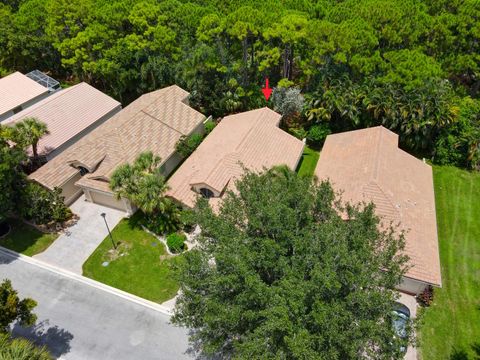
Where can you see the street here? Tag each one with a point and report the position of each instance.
(79, 321)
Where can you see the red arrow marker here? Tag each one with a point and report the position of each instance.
(266, 90)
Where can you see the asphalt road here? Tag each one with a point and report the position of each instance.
(78, 321)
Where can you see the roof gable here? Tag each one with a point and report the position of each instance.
(367, 166)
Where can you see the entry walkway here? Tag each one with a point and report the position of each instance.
(73, 248)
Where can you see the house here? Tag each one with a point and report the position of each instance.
(250, 139)
(154, 122)
(367, 166)
(70, 114)
(18, 92)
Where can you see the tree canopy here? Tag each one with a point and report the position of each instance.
(280, 273)
(424, 56)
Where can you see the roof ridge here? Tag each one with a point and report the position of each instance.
(161, 122)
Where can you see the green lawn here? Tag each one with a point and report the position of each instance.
(451, 326)
(308, 162)
(141, 271)
(26, 239)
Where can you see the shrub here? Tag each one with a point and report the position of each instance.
(425, 298)
(43, 206)
(298, 132)
(187, 144)
(318, 133)
(176, 242)
(187, 220)
(21, 349)
(209, 126)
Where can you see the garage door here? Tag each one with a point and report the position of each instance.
(107, 200)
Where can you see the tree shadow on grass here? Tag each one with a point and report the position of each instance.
(56, 340)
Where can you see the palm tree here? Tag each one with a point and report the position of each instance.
(28, 132)
(141, 183)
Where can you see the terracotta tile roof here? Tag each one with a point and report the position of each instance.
(67, 113)
(154, 122)
(16, 89)
(367, 165)
(252, 139)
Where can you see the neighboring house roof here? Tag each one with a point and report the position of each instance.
(17, 89)
(67, 113)
(154, 122)
(367, 166)
(251, 139)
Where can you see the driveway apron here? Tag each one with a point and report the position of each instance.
(73, 248)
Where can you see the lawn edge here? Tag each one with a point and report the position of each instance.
(87, 281)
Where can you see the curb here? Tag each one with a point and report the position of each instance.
(87, 281)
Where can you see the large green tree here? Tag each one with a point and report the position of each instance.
(286, 270)
(12, 177)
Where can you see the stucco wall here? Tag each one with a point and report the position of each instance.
(412, 286)
(70, 191)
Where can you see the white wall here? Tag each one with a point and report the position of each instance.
(412, 286)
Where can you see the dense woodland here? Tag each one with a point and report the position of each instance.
(412, 66)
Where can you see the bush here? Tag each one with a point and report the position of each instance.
(187, 220)
(176, 242)
(318, 133)
(298, 132)
(425, 298)
(43, 206)
(21, 349)
(209, 126)
(187, 144)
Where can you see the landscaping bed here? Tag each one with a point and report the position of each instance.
(26, 239)
(140, 265)
(450, 327)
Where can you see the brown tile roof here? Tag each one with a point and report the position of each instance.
(67, 113)
(16, 89)
(251, 138)
(367, 165)
(154, 122)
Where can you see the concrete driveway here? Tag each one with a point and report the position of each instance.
(78, 321)
(74, 247)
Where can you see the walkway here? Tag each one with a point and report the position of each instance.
(74, 247)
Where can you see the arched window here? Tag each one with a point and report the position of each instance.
(206, 193)
(83, 171)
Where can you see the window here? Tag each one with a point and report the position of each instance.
(206, 193)
(83, 171)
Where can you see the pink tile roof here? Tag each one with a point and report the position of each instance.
(67, 113)
(16, 89)
(154, 122)
(367, 165)
(251, 138)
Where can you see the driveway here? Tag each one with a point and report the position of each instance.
(73, 248)
(78, 321)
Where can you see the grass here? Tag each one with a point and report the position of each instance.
(144, 270)
(450, 328)
(25, 239)
(308, 162)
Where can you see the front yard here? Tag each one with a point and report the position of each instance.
(451, 326)
(25, 239)
(141, 266)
